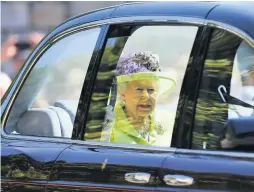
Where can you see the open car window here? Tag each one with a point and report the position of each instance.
(137, 89)
(224, 115)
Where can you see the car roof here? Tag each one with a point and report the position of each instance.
(237, 14)
(191, 9)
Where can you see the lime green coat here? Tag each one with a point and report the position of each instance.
(124, 132)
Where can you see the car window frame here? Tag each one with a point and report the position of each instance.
(211, 24)
(146, 20)
(27, 68)
(194, 46)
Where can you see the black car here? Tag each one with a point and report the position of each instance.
(60, 104)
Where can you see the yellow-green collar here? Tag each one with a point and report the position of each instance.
(122, 123)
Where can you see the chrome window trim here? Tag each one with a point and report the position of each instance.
(92, 143)
(121, 20)
(143, 19)
(238, 32)
(175, 20)
(215, 153)
(137, 19)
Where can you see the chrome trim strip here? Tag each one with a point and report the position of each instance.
(126, 146)
(93, 143)
(100, 9)
(215, 153)
(231, 29)
(100, 187)
(156, 19)
(137, 19)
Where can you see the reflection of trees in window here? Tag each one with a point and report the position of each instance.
(211, 111)
(102, 87)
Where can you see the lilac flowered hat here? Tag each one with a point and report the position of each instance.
(139, 62)
(144, 66)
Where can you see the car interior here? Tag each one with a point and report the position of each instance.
(55, 119)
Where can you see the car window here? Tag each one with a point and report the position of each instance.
(224, 109)
(136, 92)
(47, 102)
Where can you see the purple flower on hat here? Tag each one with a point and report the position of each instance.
(139, 62)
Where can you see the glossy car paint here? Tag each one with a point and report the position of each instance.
(87, 168)
(210, 172)
(72, 169)
(237, 14)
(26, 165)
(184, 9)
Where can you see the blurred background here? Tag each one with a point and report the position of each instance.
(24, 24)
(27, 16)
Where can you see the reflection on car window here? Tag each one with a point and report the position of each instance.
(47, 103)
(226, 91)
(138, 84)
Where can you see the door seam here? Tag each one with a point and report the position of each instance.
(45, 189)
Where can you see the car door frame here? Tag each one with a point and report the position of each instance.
(205, 39)
(241, 178)
(183, 134)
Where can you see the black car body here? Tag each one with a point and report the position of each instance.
(33, 162)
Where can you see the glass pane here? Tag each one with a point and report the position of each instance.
(226, 92)
(47, 102)
(242, 81)
(138, 85)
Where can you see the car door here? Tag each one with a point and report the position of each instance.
(207, 158)
(26, 165)
(96, 164)
(198, 170)
(39, 111)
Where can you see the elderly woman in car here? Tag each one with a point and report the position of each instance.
(139, 84)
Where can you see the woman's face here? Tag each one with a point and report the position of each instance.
(140, 97)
